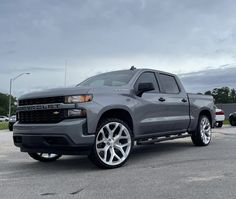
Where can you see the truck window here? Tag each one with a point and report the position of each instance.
(117, 78)
(147, 77)
(169, 84)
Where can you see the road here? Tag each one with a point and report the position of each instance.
(173, 169)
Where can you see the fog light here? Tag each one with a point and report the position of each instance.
(76, 113)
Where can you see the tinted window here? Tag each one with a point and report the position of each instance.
(147, 77)
(117, 78)
(169, 84)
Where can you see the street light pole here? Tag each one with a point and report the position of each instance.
(9, 114)
(11, 81)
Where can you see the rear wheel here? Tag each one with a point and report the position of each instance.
(44, 157)
(203, 133)
(113, 144)
(232, 121)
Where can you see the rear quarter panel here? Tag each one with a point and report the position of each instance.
(199, 103)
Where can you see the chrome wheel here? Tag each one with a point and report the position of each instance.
(47, 155)
(44, 157)
(205, 130)
(113, 143)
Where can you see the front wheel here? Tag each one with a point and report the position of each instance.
(203, 133)
(113, 144)
(44, 157)
(232, 121)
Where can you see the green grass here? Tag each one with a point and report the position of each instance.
(226, 122)
(3, 125)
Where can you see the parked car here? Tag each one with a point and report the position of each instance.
(12, 121)
(232, 119)
(220, 117)
(3, 118)
(105, 114)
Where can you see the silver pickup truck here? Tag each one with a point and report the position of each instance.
(105, 115)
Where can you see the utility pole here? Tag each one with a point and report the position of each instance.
(9, 108)
(11, 81)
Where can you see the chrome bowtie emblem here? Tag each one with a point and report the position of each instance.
(55, 113)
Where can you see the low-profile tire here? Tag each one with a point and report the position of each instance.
(219, 124)
(203, 132)
(113, 144)
(232, 121)
(44, 157)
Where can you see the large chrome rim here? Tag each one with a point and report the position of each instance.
(113, 143)
(47, 155)
(205, 129)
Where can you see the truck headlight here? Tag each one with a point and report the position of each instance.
(76, 113)
(78, 99)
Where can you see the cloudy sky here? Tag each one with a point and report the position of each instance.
(193, 38)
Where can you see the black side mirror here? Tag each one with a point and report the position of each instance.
(144, 87)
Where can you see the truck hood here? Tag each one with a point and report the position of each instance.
(56, 92)
(74, 91)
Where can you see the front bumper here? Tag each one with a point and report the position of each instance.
(67, 137)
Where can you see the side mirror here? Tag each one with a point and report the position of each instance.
(144, 87)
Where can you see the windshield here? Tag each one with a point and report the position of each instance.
(117, 78)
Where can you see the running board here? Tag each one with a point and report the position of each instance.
(161, 139)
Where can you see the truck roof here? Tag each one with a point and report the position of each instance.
(143, 70)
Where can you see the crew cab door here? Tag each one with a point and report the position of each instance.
(151, 113)
(175, 101)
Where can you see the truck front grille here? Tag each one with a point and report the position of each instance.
(41, 116)
(47, 100)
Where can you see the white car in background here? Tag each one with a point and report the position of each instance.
(220, 117)
(3, 118)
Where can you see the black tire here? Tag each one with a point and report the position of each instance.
(40, 158)
(197, 137)
(232, 121)
(10, 127)
(94, 156)
(219, 124)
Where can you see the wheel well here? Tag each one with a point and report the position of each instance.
(119, 114)
(206, 113)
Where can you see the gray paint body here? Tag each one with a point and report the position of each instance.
(150, 116)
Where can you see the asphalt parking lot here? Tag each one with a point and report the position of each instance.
(173, 169)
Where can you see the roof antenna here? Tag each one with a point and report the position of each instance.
(132, 68)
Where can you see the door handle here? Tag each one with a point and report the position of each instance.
(184, 100)
(161, 99)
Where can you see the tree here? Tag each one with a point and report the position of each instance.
(208, 93)
(223, 95)
(233, 95)
(4, 100)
